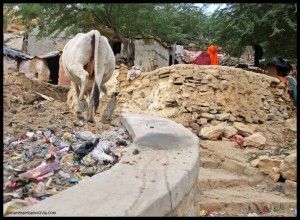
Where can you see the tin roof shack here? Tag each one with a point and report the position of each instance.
(248, 55)
(47, 44)
(150, 53)
(44, 67)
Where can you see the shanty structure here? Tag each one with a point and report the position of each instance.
(148, 53)
(44, 67)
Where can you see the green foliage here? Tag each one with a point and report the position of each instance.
(273, 26)
(233, 27)
(181, 23)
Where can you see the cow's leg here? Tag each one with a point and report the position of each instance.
(77, 110)
(79, 71)
(90, 115)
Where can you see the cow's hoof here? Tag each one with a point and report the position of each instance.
(79, 115)
(91, 120)
(82, 105)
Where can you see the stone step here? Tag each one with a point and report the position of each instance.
(219, 178)
(209, 163)
(243, 200)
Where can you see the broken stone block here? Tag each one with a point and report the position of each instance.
(254, 163)
(255, 140)
(243, 129)
(230, 131)
(212, 132)
(291, 124)
(223, 116)
(207, 115)
(29, 98)
(202, 121)
(274, 174)
(215, 122)
(288, 168)
(290, 188)
(213, 111)
(266, 164)
(195, 126)
(270, 117)
(232, 118)
(204, 104)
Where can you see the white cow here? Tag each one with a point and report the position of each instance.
(89, 62)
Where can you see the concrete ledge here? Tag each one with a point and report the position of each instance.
(151, 183)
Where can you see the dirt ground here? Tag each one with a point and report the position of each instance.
(41, 130)
(20, 117)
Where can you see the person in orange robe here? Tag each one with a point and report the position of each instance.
(213, 53)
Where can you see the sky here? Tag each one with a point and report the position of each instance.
(211, 7)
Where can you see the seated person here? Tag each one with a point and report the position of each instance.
(280, 69)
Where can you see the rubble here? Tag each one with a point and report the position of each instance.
(288, 167)
(266, 164)
(243, 129)
(212, 132)
(255, 140)
(54, 166)
(230, 131)
(290, 188)
(291, 124)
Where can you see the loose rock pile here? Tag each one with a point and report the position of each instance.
(221, 103)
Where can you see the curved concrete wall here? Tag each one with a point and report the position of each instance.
(151, 183)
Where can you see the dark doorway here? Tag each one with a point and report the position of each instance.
(116, 47)
(170, 60)
(53, 64)
(258, 54)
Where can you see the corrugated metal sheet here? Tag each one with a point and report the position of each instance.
(16, 54)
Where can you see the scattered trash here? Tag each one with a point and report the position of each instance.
(31, 200)
(68, 158)
(68, 137)
(121, 142)
(88, 160)
(84, 149)
(49, 182)
(40, 164)
(72, 180)
(44, 168)
(48, 133)
(39, 189)
(85, 136)
(89, 171)
(102, 156)
(238, 139)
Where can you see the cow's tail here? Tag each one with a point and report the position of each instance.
(96, 93)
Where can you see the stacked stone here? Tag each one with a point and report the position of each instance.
(206, 94)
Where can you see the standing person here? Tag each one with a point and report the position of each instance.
(258, 54)
(281, 68)
(213, 53)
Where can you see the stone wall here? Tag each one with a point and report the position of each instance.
(150, 54)
(199, 95)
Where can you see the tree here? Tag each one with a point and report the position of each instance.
(180, 23)
(273, 26)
